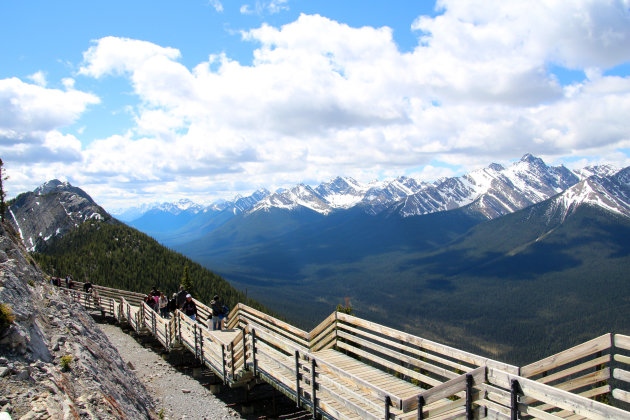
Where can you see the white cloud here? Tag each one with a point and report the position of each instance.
(264, 7)
(39, 78)
(30, 124)
(217, 5)
(322, 99)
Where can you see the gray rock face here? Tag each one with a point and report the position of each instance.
(47, 326)
(51, 210)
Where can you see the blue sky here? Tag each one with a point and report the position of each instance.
(155, 101)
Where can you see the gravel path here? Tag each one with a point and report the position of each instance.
(179, 395)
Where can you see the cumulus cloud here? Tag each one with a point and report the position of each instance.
(31, 119)
(321, 99)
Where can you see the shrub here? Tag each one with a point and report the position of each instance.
(6, 316)
(65, 362)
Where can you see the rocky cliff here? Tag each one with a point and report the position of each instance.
(52, 209)
(54, 360)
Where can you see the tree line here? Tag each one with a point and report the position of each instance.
(115, 255)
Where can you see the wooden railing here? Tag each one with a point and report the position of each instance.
(348, 367)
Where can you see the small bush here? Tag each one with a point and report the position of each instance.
(6, 316)
(65, 362)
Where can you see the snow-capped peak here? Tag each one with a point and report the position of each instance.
(609, 193)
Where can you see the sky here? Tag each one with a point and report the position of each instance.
(151, 101)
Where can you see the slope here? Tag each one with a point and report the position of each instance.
(515, 288)
(287, 258)
(121, 257)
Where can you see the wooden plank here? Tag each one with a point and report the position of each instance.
(587, 394)
(622, 341)
(276, 333)
(358, 382)
(622, 359)
(336, 388)
(578, 368)
(276, 322)
(446, 374)
(450, 388)
(285, 345)
(325, 342)
(405, 347)
(557, 397)
(424, 343)
(622, 395)
(326, 324)
(575, 353)
(411, 373)
(536, 412)
(622, 375)
(585, 380)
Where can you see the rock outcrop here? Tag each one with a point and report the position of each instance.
(54, 360)
(51, 210)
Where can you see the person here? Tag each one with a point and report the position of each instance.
(172, 304)
(69, 281)
(163, 304)
(87, 286)
(218, 312)
(189, 308)
(148, 299)
(181, 296)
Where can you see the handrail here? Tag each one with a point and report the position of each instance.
(266, 345)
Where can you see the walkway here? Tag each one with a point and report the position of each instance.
(350, 368)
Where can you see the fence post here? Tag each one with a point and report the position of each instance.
(255, 363)
(514, 388)
(201, 345)
(314, 383)
(245, 368)
(469, 381)
(179, 327)
(223, 360)
(195, 330)
(297, 377)
(232, 357)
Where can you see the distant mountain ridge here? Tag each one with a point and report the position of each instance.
(491, 192)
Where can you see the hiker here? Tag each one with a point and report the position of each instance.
(163, 304)
(181, 297)
(172, 304)
(218, 312)
(87, 286)
(189, 308)
(150, 302)
(69, 281)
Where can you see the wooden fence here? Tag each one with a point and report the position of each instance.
(350, 368)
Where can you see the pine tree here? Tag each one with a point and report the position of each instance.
(186, 282)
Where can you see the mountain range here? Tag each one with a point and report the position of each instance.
(495, 191)
(509, 262)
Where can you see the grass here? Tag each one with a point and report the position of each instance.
(6, 316)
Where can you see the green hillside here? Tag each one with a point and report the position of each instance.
(516, 288)
(115, 255)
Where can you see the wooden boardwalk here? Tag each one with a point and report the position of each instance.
(350, 368)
